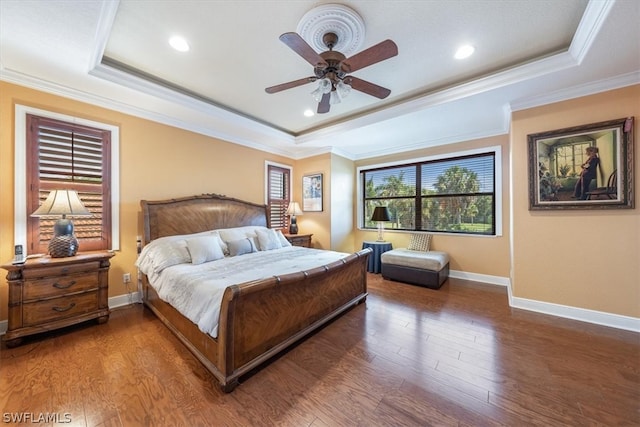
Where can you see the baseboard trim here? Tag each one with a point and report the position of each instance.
(114, 302)
(582, 314)
(483, 278)
(125, 299)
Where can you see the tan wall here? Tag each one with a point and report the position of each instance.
(588, 259)
(316, 223)
(471, 254)
(550, 261)
(156, 162)
(342, 204)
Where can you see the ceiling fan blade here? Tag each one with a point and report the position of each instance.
(380, 52)
(289, 85)
(302, 48)
(369, 88)
(323, 105)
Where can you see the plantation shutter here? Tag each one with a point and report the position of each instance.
(62, 155)
(279, 195)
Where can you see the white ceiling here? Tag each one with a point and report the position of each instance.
(528, 53)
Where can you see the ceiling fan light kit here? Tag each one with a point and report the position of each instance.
(324, 87)
(336, 27)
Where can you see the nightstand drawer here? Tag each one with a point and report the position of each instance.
(47, 293)
(58, 286)
(58, 308)
(299, 239)
(59, 270)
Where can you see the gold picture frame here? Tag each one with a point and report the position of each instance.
(582, 167)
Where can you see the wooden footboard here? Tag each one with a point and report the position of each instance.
(261, 318)
(257, 319)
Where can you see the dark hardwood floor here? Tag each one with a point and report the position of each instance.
(410, 356)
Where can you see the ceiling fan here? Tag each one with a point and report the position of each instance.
(332, 69)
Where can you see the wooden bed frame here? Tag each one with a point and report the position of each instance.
(258, 319)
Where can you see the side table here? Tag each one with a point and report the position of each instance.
(49, 293)
(303, 240)
(374, 265)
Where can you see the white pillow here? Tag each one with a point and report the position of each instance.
(223, 244)
(242, 246)
(268, 240)
(232, 234)
(283, 240)
(205, 249)
(165, 253)
(237, 233)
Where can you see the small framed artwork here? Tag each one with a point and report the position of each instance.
(312, 193)
(582, 167)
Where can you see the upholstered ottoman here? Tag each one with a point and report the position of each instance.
(423, 268)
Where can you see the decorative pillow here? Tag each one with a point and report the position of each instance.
(420, 242)
(242, 246)
(268, 239)
(205, 249)
(223, 245)
(283, 240)
(232, 234)
(167, 253)
(237, 233)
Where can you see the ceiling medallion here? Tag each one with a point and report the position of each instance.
(332, 18)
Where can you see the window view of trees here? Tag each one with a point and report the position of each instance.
(451, 195)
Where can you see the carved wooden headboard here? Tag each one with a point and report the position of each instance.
(194, 214)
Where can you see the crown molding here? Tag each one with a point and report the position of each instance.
(106, 20)
(498, 80)
(245, 135)
(470, 136)
(592, 21)
(577, 91)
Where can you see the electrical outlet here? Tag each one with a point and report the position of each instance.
(126, 278)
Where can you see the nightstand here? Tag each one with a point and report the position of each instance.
(299, 239)
(49, 293)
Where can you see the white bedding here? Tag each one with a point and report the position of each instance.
(196, 290)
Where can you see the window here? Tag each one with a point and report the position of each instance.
(450, 195)
(62, 155)
(59, 151)
(278, 194)
(568, 158)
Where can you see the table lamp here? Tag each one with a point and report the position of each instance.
(293, 210)
(62, 202)
(380, 214)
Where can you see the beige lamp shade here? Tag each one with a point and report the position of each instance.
(292, 211)
(63, 203)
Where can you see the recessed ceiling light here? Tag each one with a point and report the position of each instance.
(308, 113)
(179, 44)
(464, 51)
